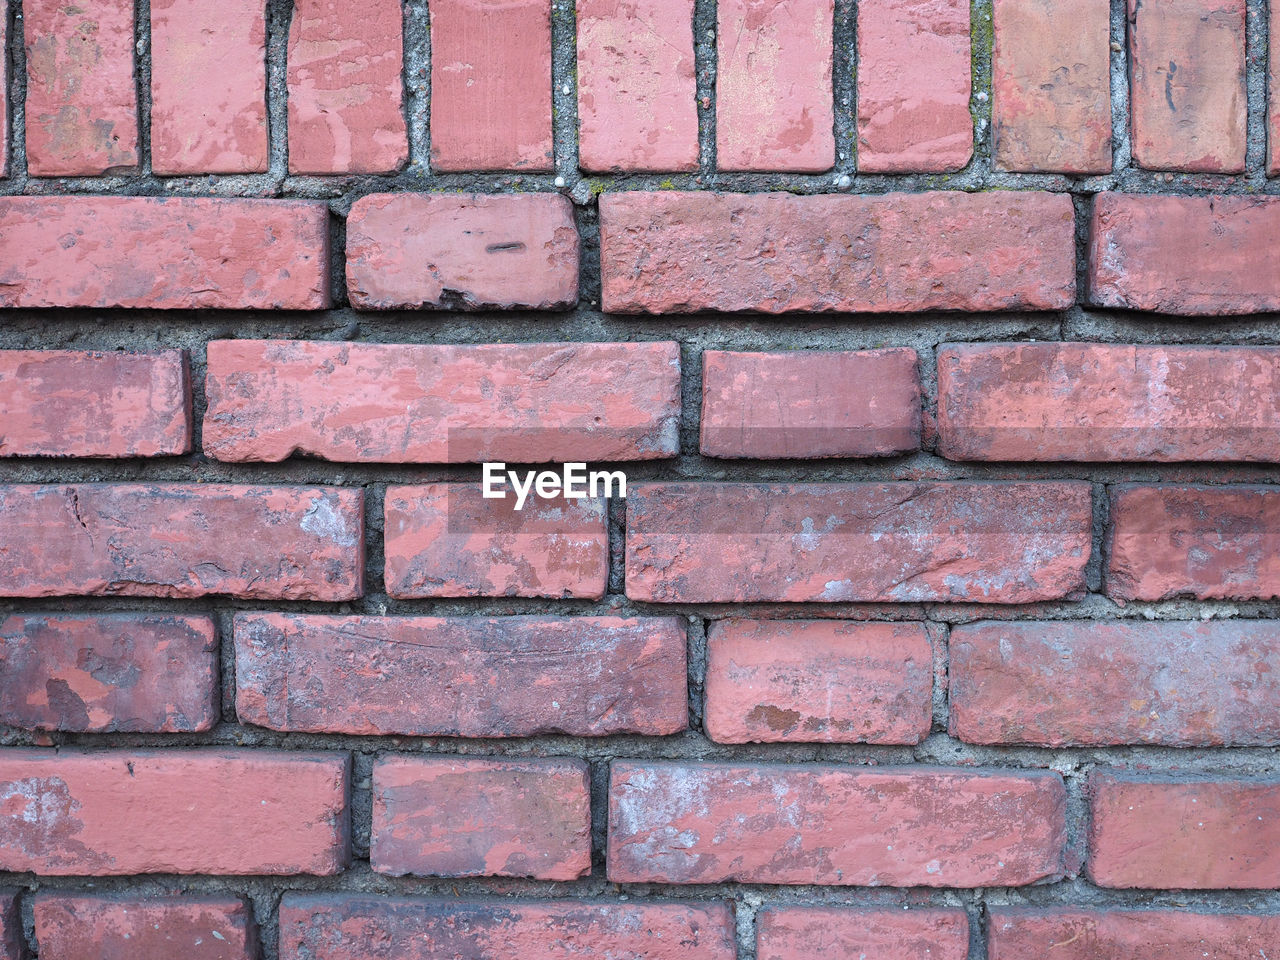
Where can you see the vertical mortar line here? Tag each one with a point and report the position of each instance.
(1095, 571)
(142, 81)
(1082, 209)
(979, 918)
(981, 40)
(417, 84)
(17, 93)
(844, 87)
(1256, 90)
(564, 88)
(745, 916)
(279, 17)
(705, 62)
(1121, 144)
(696, 628)
(939, 634)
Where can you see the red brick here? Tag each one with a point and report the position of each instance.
(802, 824)
(461, 817)
(82, 107)
(850, 403)
(345, 93)
(637, 108)
(1051, 86)
(1085, 683)
(208, 87)
(491, 85)
(914, 80)
(1187, 88)
(857, 542)
(88, 927)
(461, 676)
(894, 253)
(1185, 834)
(1106, 403)
(164, 254)
(462, 251)
(11, 942)
(217, 811)
(818, 681)
(100, 673)
(181, 540)
(73, 403)
(520, 403)
(825, 933)
(1204, 542)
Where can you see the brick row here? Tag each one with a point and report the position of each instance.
(1084, 933)
(71, 926)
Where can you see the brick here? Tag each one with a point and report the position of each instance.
(75, 403)
(181, 540)
(1192, 256)
(102, 673)
(1086, 683)
(818, 681)
(803, 404)
(462, 676)
(914, 79)
(894, 253)
(1051, 86)
(356, 927)
(1107, 403)
(1186, 85)
(216, 811)
(1184, 834)
(1205, 542)
(821, 933)
(491, 85)
(446, 540)
(82, 107)
(208, 87)
(345, 92)
(857, 542)
(518, 403)
(677, 822)
(466, 251)
(164, 254)
(87, 927)
(516, 818)
(11, 940)
(773, 86)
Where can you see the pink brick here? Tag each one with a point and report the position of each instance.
(825, 933)
(81, 927)
(913, 86)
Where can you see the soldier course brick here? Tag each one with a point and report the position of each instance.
(818, 933)
(80, 926)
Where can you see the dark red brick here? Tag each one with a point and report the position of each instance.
(89, 927)
(827, 933)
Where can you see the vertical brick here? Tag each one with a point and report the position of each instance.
(914, 79)
(82, 107)
(773, 86)
(88, 927)
(829, 933)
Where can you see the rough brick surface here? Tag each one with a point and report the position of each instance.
(775, 253)
(460, 817)
(873, 542)
(913, 86)
(824, 933)
(854, 403)
(802, 824)
(461, 676)
(100, 673)
(80, 927)
(72, 403)
(216, 811)
(823, 681)
(186, 253)
(181, 540)
(10, 917)
(517, 403)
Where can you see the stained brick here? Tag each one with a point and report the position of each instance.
(81, 927)
(824, 933)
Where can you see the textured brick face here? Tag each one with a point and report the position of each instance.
(817, 933)
(70, 927)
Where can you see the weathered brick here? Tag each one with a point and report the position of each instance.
(1187, 87)
(818, 681)
(345, 92)
(1108, 403)
(462, 250)
(491, 85)
(773, 85)
(81, 107)
(181, 540)
(1088, 683)
(777, 252)
(462, 676)
(518, 403)
(857, 542)
(11, 945)
(208, 87)
(164, 254)
(825, 933)
(1051, 86)
(90, 927)
(464, 817)
(914, 79)
(676, 822)
(216, 811)
(73, 403)
(1185, 834)
(98, 673)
